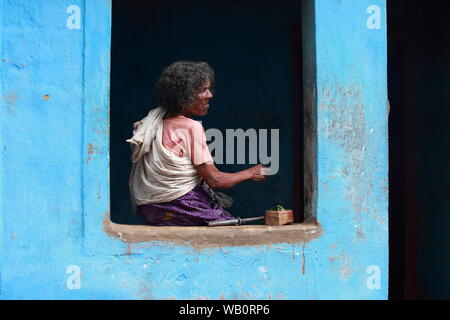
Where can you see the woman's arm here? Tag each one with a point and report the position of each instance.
(221, 180)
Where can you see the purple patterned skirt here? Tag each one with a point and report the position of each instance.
(195, 208)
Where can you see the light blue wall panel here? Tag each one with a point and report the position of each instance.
(55, 155)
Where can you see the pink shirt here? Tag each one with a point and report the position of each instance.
(186, 138)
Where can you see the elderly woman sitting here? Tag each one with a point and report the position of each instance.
(173, 173)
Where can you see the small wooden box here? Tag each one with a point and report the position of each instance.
(278, 218)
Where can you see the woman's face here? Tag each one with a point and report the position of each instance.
(200, 105)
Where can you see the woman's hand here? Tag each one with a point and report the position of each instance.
(221, 180)
(258, 173)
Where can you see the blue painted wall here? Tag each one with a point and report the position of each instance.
(55, 169)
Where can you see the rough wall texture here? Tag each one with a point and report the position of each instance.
(54, 170)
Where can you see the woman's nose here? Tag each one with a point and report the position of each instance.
(209, 94)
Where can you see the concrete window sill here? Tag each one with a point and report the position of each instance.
(210, 237)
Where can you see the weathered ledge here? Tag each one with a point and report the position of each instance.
(212, 237)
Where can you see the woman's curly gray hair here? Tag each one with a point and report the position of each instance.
(179, 83)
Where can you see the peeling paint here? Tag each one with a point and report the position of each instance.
(144, 291)
(360, 233)
(92, 150)
(341, 265)
(11, 102)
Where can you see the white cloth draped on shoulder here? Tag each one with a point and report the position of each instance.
(157, 174)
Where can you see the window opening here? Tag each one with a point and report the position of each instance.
(255, 50)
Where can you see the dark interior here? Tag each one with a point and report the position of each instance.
(419, 94)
